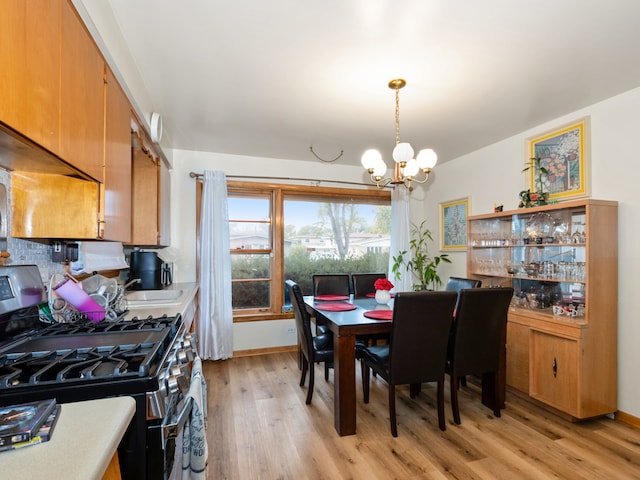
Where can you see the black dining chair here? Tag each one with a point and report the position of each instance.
(455, 284)
(363, 283)
(314, 349)
(330, 284)
(417, 350)
(478, 338)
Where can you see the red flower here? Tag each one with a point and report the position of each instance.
(383, 284)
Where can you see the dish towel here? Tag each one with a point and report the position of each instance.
(194, 440)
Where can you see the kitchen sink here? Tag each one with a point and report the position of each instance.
(147, 297)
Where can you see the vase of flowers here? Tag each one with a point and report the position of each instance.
(383, 290)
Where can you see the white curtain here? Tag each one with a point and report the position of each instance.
(215, 325)
(400, 235)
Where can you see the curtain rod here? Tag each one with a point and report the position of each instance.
(199, 176)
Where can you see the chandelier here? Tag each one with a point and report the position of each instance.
(407, 169)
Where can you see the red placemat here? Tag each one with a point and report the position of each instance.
(373, 295)
(336, 307)
(379, 314)
(324, 298)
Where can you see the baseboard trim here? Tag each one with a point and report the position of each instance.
(628, 419)
(265, 351)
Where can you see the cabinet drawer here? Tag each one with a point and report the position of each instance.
(554, 371)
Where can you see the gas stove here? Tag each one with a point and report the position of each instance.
(148, 359)
(123, 355)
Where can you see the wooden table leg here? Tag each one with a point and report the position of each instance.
(344, 383)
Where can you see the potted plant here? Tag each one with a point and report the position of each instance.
(540, 197)
(422, 265)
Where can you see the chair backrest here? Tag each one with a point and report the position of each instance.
(331, 284)
(363, 283)
(418, 344)
(479, 330)
(303, 319)
(455, 284)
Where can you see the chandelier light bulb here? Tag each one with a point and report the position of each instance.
(379, 169)
(371, 158)
(403, 152)
(427, 158)
(411, 169)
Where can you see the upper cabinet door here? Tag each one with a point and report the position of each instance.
(81, 97)
(30, 66)
(116, 199)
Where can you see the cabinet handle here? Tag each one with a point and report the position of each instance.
(555, 367)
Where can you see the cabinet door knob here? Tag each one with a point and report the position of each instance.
(555, 367)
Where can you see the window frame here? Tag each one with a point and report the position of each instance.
(279, 192)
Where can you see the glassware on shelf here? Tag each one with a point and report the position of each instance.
(540, 228)
(560, 230)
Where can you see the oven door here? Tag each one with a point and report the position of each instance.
(174, 443)
(184, 436)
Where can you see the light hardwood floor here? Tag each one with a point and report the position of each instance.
(260, 428)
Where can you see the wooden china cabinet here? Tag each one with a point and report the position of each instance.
(562, 261)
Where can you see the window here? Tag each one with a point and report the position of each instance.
(279, 232)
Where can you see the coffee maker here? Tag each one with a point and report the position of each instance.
(154, 274)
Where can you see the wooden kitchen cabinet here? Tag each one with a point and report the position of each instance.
(30, 64)
(115, 198)
(564, 256)
(145, 193)
(82, 75)
(555, 371)
(151, 186)
(53, 206)
(518, 355)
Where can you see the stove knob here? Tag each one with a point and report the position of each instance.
(184, 356)
(173, 385)
(178, 380)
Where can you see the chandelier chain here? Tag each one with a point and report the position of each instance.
(397, 115)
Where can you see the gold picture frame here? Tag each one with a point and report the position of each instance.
(453, 224)
(564, 153)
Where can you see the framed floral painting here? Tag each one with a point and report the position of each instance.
(453, 224)
(564, 154)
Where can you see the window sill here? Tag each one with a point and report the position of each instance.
(259, 317)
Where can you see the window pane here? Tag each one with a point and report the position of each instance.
(250, 236)
(324, 236)
(251, 294)
(249, 208)
(250, 266)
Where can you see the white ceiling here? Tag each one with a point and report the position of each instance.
(271, 78)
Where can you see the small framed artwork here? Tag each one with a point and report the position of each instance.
(453, 224)
(564, 154)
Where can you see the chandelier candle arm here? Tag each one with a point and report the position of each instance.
(406, 167)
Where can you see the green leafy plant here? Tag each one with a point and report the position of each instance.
(536, 164)
(422, 265)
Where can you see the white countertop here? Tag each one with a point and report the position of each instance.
(83, 442)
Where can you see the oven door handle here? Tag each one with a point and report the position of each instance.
(171, 430)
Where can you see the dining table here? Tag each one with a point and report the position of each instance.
(346, 323)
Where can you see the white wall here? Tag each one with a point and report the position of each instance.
(490, 175)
